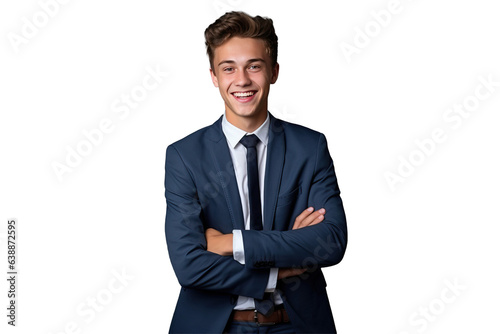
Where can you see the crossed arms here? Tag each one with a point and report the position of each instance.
(222, 244)
(196, 256)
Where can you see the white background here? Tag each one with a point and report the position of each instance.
(107, 215)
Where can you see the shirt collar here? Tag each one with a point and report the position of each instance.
(234, 134)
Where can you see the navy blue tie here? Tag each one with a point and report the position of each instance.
(266, 305)
(250, 142)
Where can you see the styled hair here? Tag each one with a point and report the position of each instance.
(240, 24)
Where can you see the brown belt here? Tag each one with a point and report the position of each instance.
(277, 317)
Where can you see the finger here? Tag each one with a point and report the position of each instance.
(311, 219)
(298, 271)
(318, 220)
(314, 218)
(305, 213)
(288, 272)
(306, 220)
(302, 216)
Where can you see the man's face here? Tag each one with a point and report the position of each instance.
(243, 74)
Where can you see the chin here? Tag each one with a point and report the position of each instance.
(243, 112)
(252, 113)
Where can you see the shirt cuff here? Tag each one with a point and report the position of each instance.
(273, 278)
(238, 247)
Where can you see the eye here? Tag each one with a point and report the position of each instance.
(228, 69)
(254, 67)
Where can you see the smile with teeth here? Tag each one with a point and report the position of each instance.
(243, 94)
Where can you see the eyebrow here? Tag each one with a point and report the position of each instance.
(253, 60)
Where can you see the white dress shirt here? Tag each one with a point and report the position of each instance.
(239, 159)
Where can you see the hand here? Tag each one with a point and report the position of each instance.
(309, 217)
(288, 272)
(219, 243)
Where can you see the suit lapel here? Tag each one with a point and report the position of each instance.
(274, 170)
(225, 173)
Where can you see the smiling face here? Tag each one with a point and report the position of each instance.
(243, 72)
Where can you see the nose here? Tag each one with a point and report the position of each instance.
(242, 78)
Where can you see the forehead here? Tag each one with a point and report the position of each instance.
(240, 49)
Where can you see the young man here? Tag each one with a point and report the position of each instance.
(253, 205)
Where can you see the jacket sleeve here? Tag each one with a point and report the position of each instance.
(320, 245)
(194, 266)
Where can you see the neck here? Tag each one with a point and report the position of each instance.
(247, 124)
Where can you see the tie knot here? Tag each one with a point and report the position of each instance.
(249, 141)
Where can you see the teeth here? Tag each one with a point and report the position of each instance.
(246, 94)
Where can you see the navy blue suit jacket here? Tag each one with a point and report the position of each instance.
(201, 192)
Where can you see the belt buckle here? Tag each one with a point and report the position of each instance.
(256, 319)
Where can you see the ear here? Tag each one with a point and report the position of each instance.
(275, 72)
(214, 78)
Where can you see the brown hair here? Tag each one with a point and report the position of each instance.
(240, 24)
